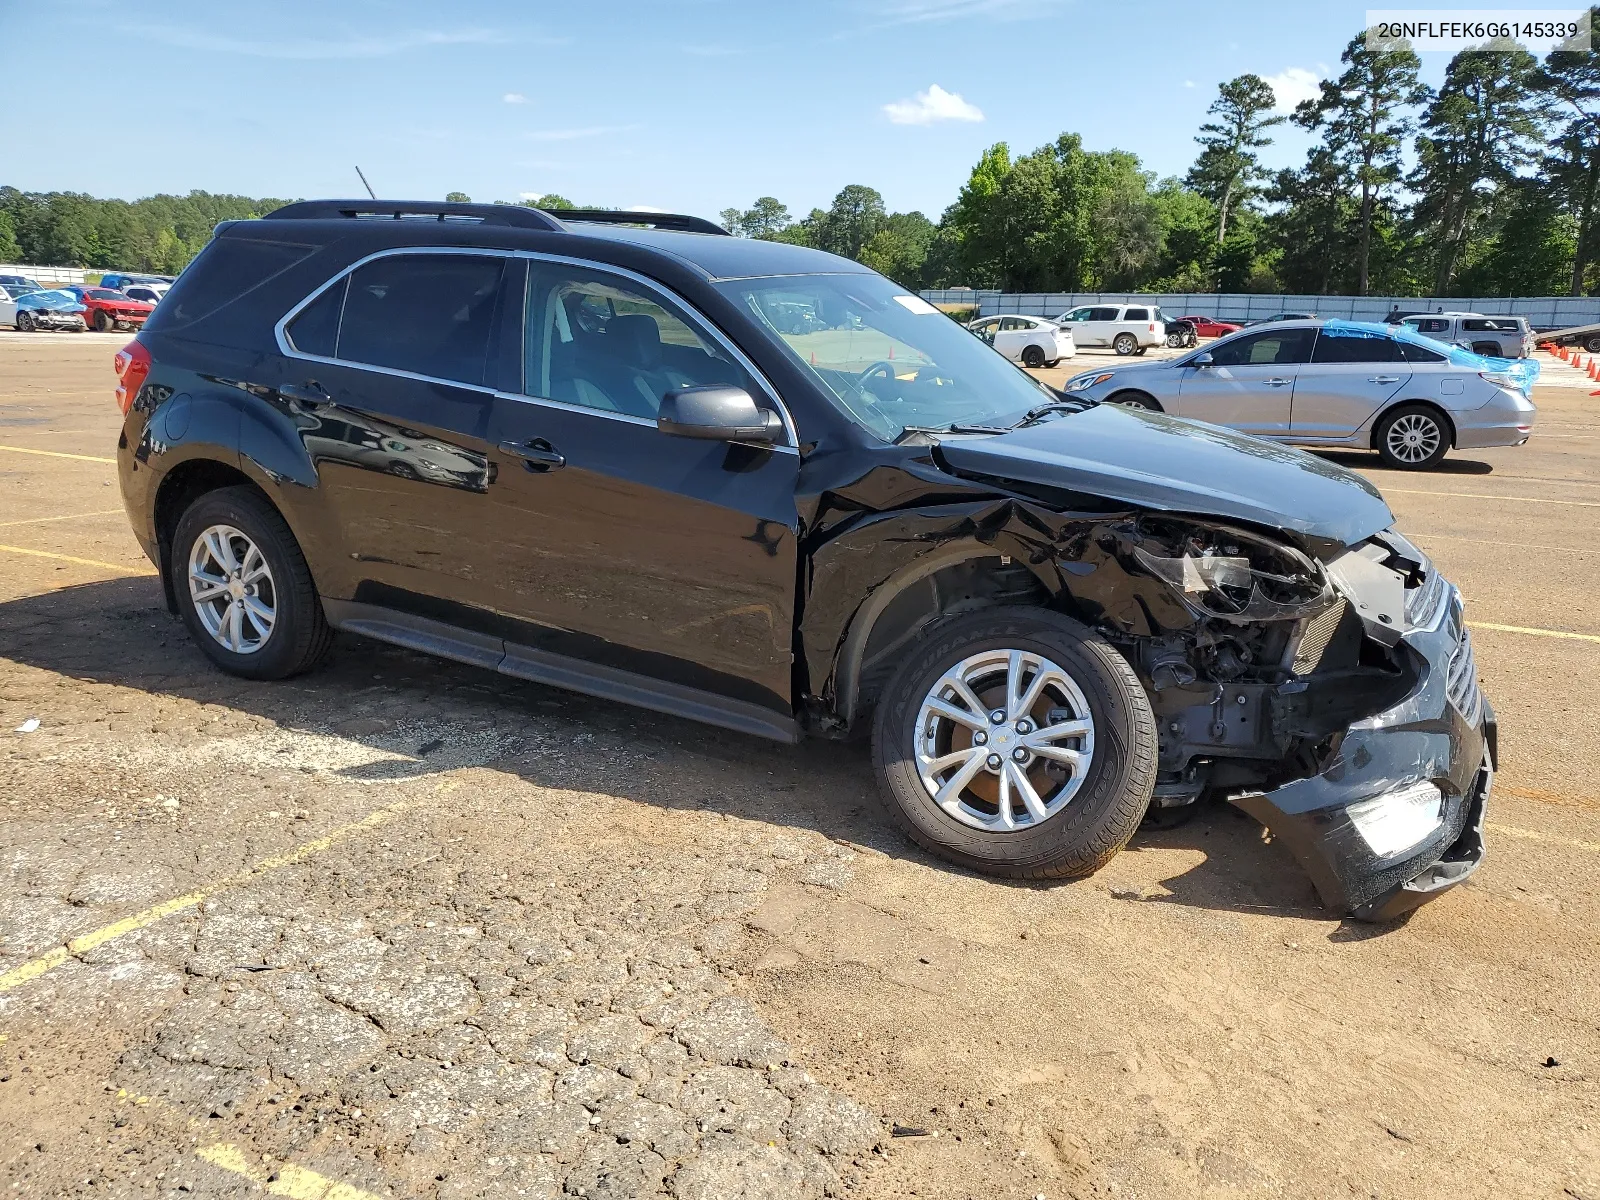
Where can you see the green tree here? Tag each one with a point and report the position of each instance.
(457, 198)
(1311, 229)
(1570, 82)
(900, 249)
(1363, 119)
(857, 213)
(1229, 169)
(10, 248)
(548, 201)
(1477, 134)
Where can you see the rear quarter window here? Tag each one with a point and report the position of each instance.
(225, 270)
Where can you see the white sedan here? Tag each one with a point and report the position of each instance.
(8, 301)
(1032, 341)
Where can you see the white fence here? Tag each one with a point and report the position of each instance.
(1543, 312)
(44, 274)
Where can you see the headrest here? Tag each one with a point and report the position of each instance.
(638, 340)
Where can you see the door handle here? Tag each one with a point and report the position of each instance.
(1383, 379)
(1279, 382)
(309, 392)
(537, 455)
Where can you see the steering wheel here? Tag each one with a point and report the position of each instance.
(882, 367)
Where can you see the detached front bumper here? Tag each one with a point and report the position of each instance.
(1442, 734)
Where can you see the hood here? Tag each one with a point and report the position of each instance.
(1167, 463)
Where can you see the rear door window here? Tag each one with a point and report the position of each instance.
(428, 314)
(1420, 354)
(1102, 314)
(1352, 346)
(1431, 325)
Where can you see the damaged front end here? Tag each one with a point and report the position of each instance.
(1334, 700)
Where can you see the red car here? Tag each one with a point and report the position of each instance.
(110, 309)
(1209, 327)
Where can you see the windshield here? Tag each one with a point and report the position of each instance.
(104, 294)
(890, 359)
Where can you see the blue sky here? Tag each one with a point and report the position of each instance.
(686, 105)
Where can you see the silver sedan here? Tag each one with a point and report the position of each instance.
(1334, 385)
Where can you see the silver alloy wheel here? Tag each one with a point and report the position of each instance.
(1004, 740)
(1414, 437)
(232, 588)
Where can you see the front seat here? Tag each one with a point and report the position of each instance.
(627, 366)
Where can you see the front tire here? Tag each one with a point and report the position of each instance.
(1124, 344)
(103, 323)
(244, 589)
(1412, 437)
(24, 322)
(1075, 748)
(1138, 400)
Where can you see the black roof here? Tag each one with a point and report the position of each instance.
(691, 240)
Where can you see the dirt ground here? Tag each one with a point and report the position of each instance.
(403, 928)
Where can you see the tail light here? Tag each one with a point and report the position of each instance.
(133, 365)
(1152, 328)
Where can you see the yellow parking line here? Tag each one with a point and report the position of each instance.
(1533, 835)
(36, 967)
(102, 512)
(1550, 633)
(1490, 496)
(280, 1178)
(57, 454)
(82, 562)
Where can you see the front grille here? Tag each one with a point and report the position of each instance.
(1461, 678)
(1422, 601)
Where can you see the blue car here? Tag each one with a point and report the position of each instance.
(50, 310)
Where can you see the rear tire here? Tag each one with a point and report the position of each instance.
(1592, 343)
(1412, 437)
(1124, 344)
(299, 634)
(1033, 357)
(1098, 804)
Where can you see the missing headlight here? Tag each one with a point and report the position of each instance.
(1222, 572)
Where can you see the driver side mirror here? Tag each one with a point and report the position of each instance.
(1202, 360)
(718, 413)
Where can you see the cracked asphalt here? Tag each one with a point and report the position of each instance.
(401, 928)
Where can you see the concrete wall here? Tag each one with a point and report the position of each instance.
(45, 274)
(1543, 312)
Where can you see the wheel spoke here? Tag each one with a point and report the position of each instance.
(221, 550)
(260, 616)
(954, 758)
(1024, 788)
(210, 588)
(1059, 754)
(949, 794)
(968, 697)
(1040, 738)
(1013, 683)
(1008, 816)
(1041, 680)
(254, 566)
(971, 720)
(235, 628)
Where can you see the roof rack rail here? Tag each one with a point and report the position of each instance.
(681, 222)
(517, 215)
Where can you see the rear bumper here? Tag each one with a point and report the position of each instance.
(1506, 420)
(1443, 733)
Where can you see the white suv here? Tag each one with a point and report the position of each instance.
(1032, 341)
(1126, 328)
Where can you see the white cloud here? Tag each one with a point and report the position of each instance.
(1188, 83)
(514, 98)
(645, 208)
(311, 49)
(1293, 85)
(572, 135)
(935, 104)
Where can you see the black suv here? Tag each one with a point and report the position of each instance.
(601, 452)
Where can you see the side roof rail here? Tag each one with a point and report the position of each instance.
(681, 222)
(515, 215)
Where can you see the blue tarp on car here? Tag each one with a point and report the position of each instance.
(55, 301)
(1520, 373)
